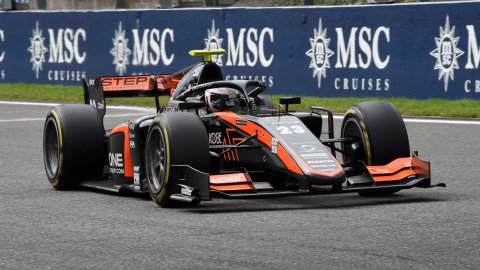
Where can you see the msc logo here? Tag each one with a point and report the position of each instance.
(2, 38)
(446, 53)
(214, 42)
(148, 48)
(63, 48)
(71, 39)
(115, 160)
(2, 54)
(347, 56)
(120, 51)
(37, 49)
(236, 54)
(319, 53)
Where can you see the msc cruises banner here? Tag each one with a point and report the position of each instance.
(414, 50)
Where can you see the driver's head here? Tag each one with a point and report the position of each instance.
(219, 99)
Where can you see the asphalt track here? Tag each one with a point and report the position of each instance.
(41, 228)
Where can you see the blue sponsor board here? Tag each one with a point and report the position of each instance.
(414, 50)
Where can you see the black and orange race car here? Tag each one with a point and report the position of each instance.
(218, 138)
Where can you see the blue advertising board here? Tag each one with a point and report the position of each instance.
(412, 50)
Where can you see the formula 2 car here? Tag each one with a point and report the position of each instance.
(218, 138)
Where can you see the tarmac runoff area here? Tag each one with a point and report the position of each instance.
(42, 228)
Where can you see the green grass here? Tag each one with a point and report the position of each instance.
(464, 108)
(60, 93)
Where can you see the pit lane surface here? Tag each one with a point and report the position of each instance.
(42, 228)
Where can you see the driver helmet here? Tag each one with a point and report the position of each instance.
(219, 99)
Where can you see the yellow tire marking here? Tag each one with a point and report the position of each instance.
(352, 111)
(367, 144)
(60, 160)
(164, 189)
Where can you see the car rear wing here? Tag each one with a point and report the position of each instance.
(96, 88)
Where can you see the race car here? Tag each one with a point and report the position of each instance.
(222, 138)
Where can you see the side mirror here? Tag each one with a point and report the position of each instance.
(290, 100)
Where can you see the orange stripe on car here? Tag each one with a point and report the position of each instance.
(392, 167)
(127, 161)
(398, 169)
(394, 177)
(287, 159)
(291, 164)
(263, 136)
(233, 187)
(310, 169)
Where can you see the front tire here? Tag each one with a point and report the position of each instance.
(175, 138)
(382, 134)
(73, 145)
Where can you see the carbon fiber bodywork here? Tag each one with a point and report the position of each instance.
(258, 150)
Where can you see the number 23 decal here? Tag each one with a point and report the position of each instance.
(288, 130)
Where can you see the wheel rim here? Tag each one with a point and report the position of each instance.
(156, 160)
(51, 150)
(352, 129)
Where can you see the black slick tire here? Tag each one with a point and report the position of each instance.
(173, 138)
(73, 145)
(381, 131)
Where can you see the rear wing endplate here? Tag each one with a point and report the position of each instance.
(96, 88)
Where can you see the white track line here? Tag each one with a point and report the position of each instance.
(22, 120)
(152, 110)
(43, 119)
(432, 121)
(27, 103)
(441, 121)
(133, 108)
(130, 108)
(124, 114)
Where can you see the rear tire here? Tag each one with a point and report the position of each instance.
(73, 145)
(174, 138)
(381, 131)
